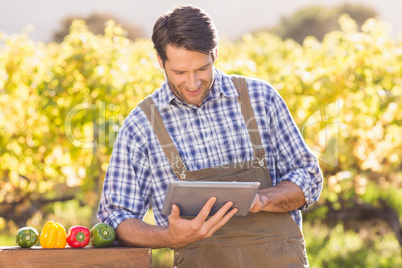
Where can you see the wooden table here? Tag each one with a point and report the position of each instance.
(72, 257)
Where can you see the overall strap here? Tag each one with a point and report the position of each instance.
(176, 163)
(154, 117)
(240, 83)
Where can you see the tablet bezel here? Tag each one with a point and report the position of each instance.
(191, 196)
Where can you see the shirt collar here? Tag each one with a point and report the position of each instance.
(222, 85)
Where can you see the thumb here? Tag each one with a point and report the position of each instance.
(256, 202)
(175, 212)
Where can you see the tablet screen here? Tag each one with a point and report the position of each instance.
(191, 196)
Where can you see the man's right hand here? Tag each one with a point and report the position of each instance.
(182, 231)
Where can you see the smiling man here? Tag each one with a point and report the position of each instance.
(203, 124)
(189, 74)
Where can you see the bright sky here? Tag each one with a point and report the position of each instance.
(232, 17)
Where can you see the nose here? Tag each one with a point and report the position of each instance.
(193, 82)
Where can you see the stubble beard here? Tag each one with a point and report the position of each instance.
(182, 96)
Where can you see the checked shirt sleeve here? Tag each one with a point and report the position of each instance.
(127, 185)
(295, 160)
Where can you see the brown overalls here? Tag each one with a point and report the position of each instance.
(262, 239)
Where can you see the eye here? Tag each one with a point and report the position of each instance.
(204, 68)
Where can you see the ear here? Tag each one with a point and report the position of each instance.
(160, 61)
(216, 54)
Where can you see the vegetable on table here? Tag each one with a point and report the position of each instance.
(27, 237)
(78, 236)
(53, 235)
(102, 235)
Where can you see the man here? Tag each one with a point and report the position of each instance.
(205, 125)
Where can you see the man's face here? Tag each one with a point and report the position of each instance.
(190, 74)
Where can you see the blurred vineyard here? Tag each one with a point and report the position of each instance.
(61, 106)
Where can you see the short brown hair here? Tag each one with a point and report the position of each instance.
(186, 27)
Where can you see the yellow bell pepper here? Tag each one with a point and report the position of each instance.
(53, 235)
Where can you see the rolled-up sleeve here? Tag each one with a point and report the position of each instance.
(127, 186)
(295, 161)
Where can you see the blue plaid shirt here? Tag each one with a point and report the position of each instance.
(214, 134)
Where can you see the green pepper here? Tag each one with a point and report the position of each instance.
(27, 237)
(102, 235)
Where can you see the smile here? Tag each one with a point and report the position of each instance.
(194, 92)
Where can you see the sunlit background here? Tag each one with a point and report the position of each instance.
(233, 18)
(71, 71)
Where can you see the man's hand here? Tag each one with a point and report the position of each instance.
(283, 197)
(257, 204)
(182, 232)
(135, 232)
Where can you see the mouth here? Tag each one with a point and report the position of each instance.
(195, 92)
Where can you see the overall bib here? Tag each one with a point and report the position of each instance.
(263, 239)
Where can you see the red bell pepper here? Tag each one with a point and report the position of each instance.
(78, 236)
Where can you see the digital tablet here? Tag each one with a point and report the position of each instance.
(191, 196)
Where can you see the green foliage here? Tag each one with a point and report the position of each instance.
(344, 93)
(61, 106)
(338, 247)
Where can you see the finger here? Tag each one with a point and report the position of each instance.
(256, 200)
(219, 215)
(206, 209)
(175, 214)
(255, 203)
(222, 211)
(223, 221)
